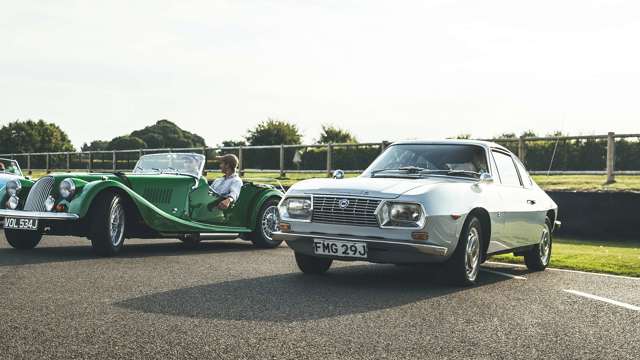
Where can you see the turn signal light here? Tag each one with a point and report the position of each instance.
(420, 235)
(61, 208)
(284, 227)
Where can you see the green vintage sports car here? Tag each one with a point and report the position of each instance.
(165, 196)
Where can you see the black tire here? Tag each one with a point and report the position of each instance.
(191, 240)
(538, 258)
(261, 237)
(22, 240)
(105, 243)
(456, 266)
(312, 265)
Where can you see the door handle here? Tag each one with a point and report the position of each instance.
(531, 202)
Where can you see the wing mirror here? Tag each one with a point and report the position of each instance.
(485, 178)
(338, 174)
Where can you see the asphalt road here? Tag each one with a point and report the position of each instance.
(228, 300)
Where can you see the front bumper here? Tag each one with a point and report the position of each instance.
(37, 215)
(379, 250)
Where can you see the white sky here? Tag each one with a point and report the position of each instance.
(382, 69)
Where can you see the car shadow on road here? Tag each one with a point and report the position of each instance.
(298, 297)
(53, 254)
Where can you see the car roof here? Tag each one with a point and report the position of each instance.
(485, 144)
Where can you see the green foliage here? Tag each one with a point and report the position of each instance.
(233, 143)
(95, 145)
(274, 132)
(465, 136)
(165, 134)
(33, 136)
(529, 133)
(334, 135)
(126, 142)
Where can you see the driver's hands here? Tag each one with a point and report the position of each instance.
(224, 204)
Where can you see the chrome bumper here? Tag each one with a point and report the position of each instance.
(422, 248)
(37, 215)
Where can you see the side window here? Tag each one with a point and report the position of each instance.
(506, 169)
(526, 179)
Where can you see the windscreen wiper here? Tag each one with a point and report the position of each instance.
(452, 172)
(408, 169)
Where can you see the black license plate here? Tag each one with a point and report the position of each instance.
(21, 224)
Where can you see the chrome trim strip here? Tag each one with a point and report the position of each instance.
(423, 248)
(37, 215)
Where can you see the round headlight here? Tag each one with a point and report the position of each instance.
(12, 203)
(49, 203)
(67, 188)
(13, 187)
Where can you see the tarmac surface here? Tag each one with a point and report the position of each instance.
(228, 300)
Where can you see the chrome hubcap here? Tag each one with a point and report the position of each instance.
(472, 258)
(545, 247)
(116, 224)
(270, 222)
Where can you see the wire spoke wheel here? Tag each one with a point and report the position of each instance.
(269, 222)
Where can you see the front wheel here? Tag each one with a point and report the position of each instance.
(266, 225)
(537, 259)
(108, 221)
(22, 240)
(464, 264)
(312, 265)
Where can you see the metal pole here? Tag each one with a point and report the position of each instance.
(240, 161)
(282, 160)
(611, 144)
(329, 158)
(521, 149)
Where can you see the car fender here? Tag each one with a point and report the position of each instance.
(261, 199)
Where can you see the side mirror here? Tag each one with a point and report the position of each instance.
(485, 178)
(338, 174)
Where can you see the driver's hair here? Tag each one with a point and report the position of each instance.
(230, 160)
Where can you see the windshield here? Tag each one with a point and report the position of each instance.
(428, 159)
(8, 166)
(184, 164)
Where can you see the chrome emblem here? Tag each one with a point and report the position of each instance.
(343, 203)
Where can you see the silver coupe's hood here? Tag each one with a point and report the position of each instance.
(386, 188)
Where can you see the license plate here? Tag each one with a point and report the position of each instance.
(21, 224)
(340, 248)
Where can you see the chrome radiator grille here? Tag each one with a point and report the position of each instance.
(38, 194)
(345, 210)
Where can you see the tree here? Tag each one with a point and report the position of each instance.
(126, 143)
(335, 135)
(95, 145)
(507, 136)
(233, 143)
(274, 132)
(165, 134)
(33, 136)
(465, 136)
(529, 133)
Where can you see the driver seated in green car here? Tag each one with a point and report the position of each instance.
(227, 187)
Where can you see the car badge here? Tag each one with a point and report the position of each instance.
(343, 203)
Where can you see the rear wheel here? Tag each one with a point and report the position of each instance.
(22, 240)
(266, 225)
(464, 265)
(107, 224)
(537, 259)
(312, 265)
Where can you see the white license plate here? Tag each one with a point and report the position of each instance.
(21, 224)
(340, 248)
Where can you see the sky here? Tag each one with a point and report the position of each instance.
(385, 70)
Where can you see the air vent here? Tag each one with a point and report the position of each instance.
(158, 195)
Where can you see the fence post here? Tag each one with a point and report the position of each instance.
(329, 158)
(521, 149)
(611, 145)
(281, 160)
(383, 146)
(46, 167)
(68, 162)
(90, 161)
(113, 160)
(240, 161)
(28, 163)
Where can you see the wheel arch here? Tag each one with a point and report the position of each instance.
(262, 199)
(485, 221)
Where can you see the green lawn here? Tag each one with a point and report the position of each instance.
(612, 257)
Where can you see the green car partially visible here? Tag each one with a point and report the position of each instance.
(166, 196)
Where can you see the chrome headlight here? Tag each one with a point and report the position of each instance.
(67, 188)
(296, 208)
(13, 202)
(13, 187)
(401, 215)
(49, 203)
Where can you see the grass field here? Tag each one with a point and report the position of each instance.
(612, 257)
